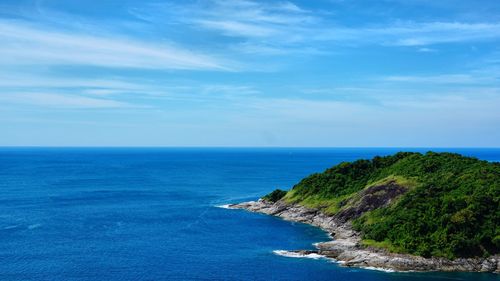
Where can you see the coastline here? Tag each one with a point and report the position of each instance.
(346, 249)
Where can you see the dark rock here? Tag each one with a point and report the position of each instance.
(369, 199)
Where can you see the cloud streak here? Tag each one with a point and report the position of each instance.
(270, 26)
(65, 101)
(24, 44)
(49, 90)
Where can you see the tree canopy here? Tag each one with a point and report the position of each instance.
(451, 207)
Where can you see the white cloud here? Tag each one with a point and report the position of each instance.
(472, 77)
(260, 27)
(283, 28)
(411, 34)
(51, 90)
(62, 101)
(426, 50)
(27, 45)
(238, 28)
(287, 23)
(17, 79)
(445, 32)
(444, 78)
(272, 12)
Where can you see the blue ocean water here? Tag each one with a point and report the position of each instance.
(149, 214)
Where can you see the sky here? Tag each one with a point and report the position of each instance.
(325, 73)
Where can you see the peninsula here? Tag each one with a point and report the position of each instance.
(405, 212)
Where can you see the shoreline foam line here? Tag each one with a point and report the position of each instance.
(291, 254)
(224, 206)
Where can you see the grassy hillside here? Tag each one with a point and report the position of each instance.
(433, 204)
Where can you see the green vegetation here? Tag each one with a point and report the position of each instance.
(275, 195)
(380, 244)
(447, 204)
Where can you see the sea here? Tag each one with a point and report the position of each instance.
(155, 214)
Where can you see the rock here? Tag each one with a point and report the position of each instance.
(371, 198)
(346, 247)
(305, 252)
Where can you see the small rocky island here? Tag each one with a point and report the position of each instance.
(405, 212)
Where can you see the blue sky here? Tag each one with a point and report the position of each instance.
(250, 73)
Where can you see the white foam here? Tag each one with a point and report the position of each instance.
(379, 269)
(290, 254)
(365, 267)
(225, 206)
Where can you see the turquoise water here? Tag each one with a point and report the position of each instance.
(149, 214)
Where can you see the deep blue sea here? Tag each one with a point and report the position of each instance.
(149, 214)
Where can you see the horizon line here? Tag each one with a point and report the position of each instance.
(253, 147)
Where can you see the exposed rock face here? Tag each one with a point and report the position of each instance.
(346, 247)
(369, 199)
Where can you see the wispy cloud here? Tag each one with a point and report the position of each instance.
(420, 34)
(271, 26)
(411, 33)
(472, 77)
(237, 28)
(62, 101)
(426, 50)
(253, 19)
(18, 79)
(25, 44)
(252, 27)
(50, 90)
(443, 78)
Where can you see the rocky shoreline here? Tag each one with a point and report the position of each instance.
(347, 250)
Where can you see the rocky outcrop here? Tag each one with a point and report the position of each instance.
(371, 198)
(345, 246)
